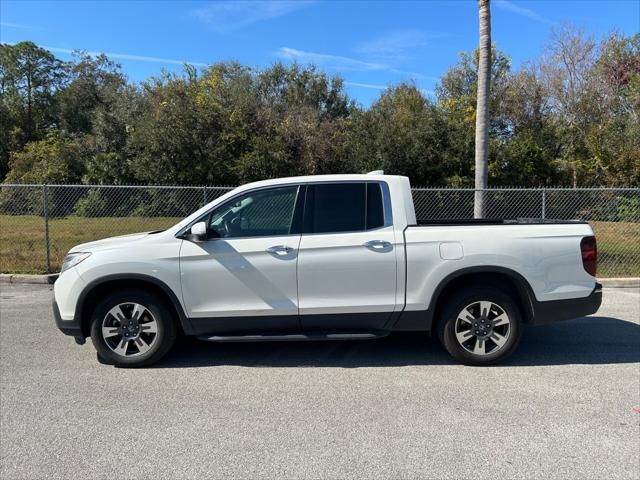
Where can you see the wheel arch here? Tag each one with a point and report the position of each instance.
(483, 275)
(97, 289)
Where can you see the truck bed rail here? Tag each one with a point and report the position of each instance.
(491, 221)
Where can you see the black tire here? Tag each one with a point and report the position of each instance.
(158, 342)
(470, 297)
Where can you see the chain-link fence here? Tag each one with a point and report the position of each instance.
(40, 223)
(614, 215)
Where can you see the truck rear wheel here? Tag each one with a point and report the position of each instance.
(132, 328)
(480, 326)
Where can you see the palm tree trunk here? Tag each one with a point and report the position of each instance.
(482, 108)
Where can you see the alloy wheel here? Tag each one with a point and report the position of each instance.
(482, 328)
(129, 329)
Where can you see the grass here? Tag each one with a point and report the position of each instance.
(618, 248)
(22, 246)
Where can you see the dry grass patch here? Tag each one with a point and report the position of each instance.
(22, 246)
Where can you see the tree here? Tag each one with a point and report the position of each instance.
(29, 77)
(193, 127)
(92, 83)
(570, 117)
(457, 90)
(402, 133)
(612, 135)
(457, 94)
(51, 160)
(482, 110)
(300, 128)
(565, 72)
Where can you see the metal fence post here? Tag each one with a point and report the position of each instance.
(45, 208)
(204, 196)
(544, 203)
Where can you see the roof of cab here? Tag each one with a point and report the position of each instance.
(373, 176)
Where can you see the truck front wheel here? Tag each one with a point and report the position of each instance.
(480, 326)
(132, 328)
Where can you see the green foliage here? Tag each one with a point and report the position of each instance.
(159, 203)
(29, 78)
(192, 128)
(93, 204)
(51, 160)
(628, 209)
(93, 84)
(457, 89)
(126, 202)
(570, 118)
(108, 169)
(406, 134)
(523, 160)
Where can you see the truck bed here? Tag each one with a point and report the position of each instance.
(545, 252)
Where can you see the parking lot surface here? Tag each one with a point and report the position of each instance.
(566, 405)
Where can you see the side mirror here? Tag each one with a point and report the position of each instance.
(199, 232)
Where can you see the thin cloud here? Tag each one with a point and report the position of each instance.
(366, 85)
(18, 25)
(126, 56)
(338, 62)
(332, 61)
(525, 12)
(398, 43)
(233, 15)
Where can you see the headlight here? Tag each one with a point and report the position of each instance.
(73, 259)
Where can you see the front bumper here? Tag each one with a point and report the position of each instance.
(557, 310)
(72, 328)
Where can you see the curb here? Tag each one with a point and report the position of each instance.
(633, 282)
(20, 278)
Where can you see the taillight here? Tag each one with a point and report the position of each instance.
(589, 250)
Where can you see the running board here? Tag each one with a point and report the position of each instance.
(309, 337)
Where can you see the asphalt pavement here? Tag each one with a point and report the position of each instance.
(566, 405)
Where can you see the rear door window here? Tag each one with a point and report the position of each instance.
(343, 207)
(375, 208)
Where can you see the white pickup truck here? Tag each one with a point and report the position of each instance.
(325, 258)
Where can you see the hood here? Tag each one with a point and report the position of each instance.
(111, 242)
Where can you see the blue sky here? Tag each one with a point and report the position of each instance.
(371, 44)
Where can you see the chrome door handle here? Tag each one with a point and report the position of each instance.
(279, 249)
(377, 244)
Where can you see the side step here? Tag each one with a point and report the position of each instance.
(308, 337)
